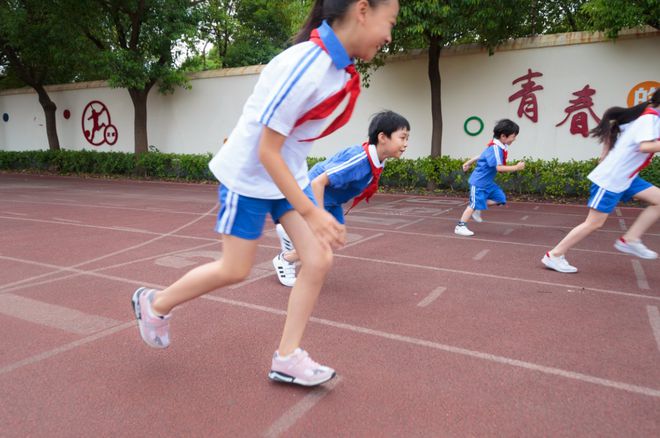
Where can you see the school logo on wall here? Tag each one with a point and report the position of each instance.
(97, 126)
(642, 92)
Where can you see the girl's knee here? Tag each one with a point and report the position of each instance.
(321, 261)
(595, 225)
(226, 274)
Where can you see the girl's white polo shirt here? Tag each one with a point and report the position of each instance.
(617, 171)
(294, 82)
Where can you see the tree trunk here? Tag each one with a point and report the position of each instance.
(139, 98)
(49, 112)
(436, 96)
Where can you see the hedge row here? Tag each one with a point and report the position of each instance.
(544, 178)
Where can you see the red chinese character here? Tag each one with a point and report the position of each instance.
(580, 120)
(528, 105)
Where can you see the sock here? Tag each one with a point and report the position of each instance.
(152, 312)
(461, 224)
(287, 357)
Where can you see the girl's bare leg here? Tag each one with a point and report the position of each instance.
(315, 264)
(234, 265)
(595, 219)
(648, 217)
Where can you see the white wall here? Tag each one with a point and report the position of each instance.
(473, 84)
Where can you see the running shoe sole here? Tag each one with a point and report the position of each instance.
(277, 376)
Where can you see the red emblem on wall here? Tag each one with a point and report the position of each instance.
(97, 126)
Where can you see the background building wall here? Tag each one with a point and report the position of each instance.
(474, 84)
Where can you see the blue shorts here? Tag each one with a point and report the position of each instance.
(244, 217)
(337, 212)
(479, 196)
(605, 201)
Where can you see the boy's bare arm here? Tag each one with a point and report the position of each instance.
(470, 162)
(520, 165)
(318, 187)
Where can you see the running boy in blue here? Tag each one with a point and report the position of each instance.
(352, 173)
(483, 189)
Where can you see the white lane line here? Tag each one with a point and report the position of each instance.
(297, 411)
(362, 240)
(500, 277)
(17, 214)
(409, 223)
(51, 315)
(481, 254)
(97, 206)
(377, 333)
(10, 287)
(642, 390)
(618, 211)
(640, 275)
(61, 219)
(441, 212)
(364, 259)
(121, 251)
(65, 348)
(524, 218)
(654, 319)
(432, 296)
(622, 225)
(507, 231)
(536, 208)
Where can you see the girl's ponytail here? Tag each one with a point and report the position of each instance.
(608, 129)
(313, 21)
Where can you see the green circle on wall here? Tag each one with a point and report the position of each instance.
(478, 131)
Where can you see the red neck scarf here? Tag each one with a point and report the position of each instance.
(650, 110)
(646, 162)
(372, 188)
(504, 151)
(325, 108)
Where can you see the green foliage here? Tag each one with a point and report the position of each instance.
(550, 179)
(236, 33)
(38, 46)
(613, 15)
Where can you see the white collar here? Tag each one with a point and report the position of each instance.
(499, 143)
(373, 153)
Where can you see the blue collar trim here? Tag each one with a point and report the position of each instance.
(337, 53)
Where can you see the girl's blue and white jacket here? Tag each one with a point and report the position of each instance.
(291, 84)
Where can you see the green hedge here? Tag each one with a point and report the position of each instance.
(545, 178)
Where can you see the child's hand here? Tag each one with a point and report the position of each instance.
(520, 165)
(326, 228)
(466, 166)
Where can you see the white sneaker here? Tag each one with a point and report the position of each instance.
(286, 271)
(300, 369)
(559, 264)
(635, 248)
(285, 241)
(476, 216)
(462, 230)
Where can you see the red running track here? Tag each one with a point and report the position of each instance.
(432, 334)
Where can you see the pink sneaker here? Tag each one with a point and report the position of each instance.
(300, 369)
(155, 330)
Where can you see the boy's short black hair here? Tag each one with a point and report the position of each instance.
(505, 127)
(386, 122)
